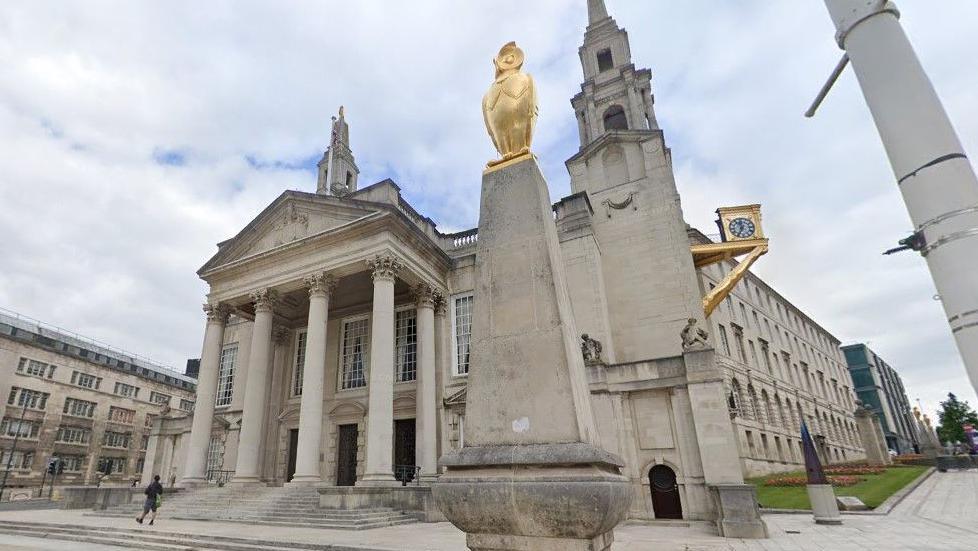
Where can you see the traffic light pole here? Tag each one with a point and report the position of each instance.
(932, 171)
(13, 448)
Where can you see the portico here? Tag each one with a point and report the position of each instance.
(355, 334)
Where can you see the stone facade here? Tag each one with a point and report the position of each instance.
(364, 381)
(780, 367)
(881, 390)
(85, 402)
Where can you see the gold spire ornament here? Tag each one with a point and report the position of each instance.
(510, 106)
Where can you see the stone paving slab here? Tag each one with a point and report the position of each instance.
(941, 514)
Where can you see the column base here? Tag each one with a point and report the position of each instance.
(499, 542)
(304, 480)
(378, 479)
(737, 513)
(246, 481)
(428, 478)
(193, 482)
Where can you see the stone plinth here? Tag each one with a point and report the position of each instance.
(738, 515)
(824, 507)
(413, 499)
(532, 476)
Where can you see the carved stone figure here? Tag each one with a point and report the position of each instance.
(510, 106)
(693, 337)
(591, 350)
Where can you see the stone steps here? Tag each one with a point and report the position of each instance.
(141, 538)
(281, 506)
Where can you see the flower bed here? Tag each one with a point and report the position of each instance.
(855, 470)
(908, 458)
(790, 481)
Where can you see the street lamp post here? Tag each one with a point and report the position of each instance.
(933, 173)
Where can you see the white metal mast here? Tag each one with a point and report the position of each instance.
(933, 173)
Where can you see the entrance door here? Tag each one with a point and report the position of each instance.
(293, 446)
(404, 461)
(346, 456)
(665, 493)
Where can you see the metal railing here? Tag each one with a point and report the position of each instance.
(221, 477)
(407, 474)
(32, 325)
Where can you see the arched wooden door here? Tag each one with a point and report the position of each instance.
(665, 493)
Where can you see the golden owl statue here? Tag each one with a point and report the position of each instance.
(510, 106)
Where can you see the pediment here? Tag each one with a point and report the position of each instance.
(291, 217)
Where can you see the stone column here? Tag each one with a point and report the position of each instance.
(871, 435)
(210, 359)
(380, 403)
(313, 381)
(247, 469)
(426, 443)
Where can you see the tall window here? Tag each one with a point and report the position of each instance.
(406, 344)
(605, 61)
(33, 399)
(85, 380)
(739, 343)
(724, 341)
(13, 427)
(79, 408)
(462, 329)
(72, 463)
(112, 465)
(225, 376)
(159, 398)
(215, 456)
(116, 439)
(21, 460)
(73, 435)
(129, 391)
(297, 365)
(121, 415)
(36, 368)
(354, 353)
(615, 119)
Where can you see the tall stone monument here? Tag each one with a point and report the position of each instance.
(871, 435)
(531, 475)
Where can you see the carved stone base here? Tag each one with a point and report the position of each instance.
(737, 513)
(535, 497)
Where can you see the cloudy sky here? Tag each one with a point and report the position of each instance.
(136, 135)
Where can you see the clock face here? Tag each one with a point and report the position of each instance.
(741, 227)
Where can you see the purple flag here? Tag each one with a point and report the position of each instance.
(813, 467)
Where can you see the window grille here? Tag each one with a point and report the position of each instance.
(225, 377)
(406, 344)
(299, 363)
(354, 353)
(462, 330)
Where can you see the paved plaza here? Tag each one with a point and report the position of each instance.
(941, 514)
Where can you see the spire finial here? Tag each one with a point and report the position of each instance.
(596, 11)
(341, 111)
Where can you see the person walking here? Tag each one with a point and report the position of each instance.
(154, 495)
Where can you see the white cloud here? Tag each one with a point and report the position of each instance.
(102, 237)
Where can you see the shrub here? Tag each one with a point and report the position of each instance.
(855, 470)
(793, 481)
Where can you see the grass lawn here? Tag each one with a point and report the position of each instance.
(873, 490)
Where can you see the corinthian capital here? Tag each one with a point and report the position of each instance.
(385, 266)
(217, 312)
(264, 299)
(321, 283)
(427, 295)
